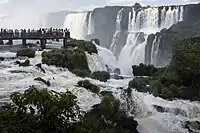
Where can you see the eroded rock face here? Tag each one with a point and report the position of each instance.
(192, 126)
(167, 38)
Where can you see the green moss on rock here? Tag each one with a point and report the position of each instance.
(89, 86)
(101, 76)
(27, 52)
(68, 58)
(85, 45)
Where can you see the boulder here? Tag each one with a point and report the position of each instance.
(25, 63)
(116, 76)
(43, 81)
(2, 58)
(40, 67)
(117, 71)
(192, 126)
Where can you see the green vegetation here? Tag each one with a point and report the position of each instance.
(89, 86)
(144, 70)
(73, 59)
(140, 84)
(44, 111)
(85, 45)
(81, 73)
(39, 111)
(107, 117)
(27, 52)
(181, 79)
(101, 76)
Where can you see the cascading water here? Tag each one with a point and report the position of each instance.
(143, 23)
(117, 33)
(181, 13)
(155, 50)
(77, 24)
(90, 25)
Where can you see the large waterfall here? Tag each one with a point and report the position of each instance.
(144, 23)
(77, 24)
(140, 24)
(117, 33)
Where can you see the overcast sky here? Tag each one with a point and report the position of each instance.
(22, 6)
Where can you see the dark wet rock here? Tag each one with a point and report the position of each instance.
(96, 41)
(1, 42)
(25, 63)
(175, 111)
(108, 69)
(40, 67)
(159, 108)
(137, 7)
(116, 76)
(117, 71)
(43, 81)
(192, 126)
(17, 71)
(2, 58)
(104, 93)
(17, 62)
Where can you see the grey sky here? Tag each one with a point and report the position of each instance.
(21, 6)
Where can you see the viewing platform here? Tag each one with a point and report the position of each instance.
(41, 35)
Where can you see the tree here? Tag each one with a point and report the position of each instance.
(40, 111)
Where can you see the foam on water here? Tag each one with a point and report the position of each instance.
(107, 57)
(140, 105)
(95, 63)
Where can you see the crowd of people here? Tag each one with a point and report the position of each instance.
(32, 33)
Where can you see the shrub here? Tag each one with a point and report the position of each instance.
(144, 70)
(155, 87)
(85, 45)
(140, 84)
(81, 73)
(28, 52)
(89, 86)
(108, 117)
(39, 110)
(69, 58)
(101, 76)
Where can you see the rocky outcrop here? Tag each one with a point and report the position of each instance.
(192, 126)
(40, 67)
(23, 64)
(43, 81)
(168, 38)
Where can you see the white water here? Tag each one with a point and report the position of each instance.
(155, 50)
(107, 57)
(95, 63)
(117, 33)
(140, 105)
(90, 24)
(77, 24)
(146, 21)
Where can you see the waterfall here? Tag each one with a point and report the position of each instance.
(181, 13)
(146, 21)
(155, 50)
(150, 20)
(90, 25)
(172, 16)
(117, 33)
(77, 24)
